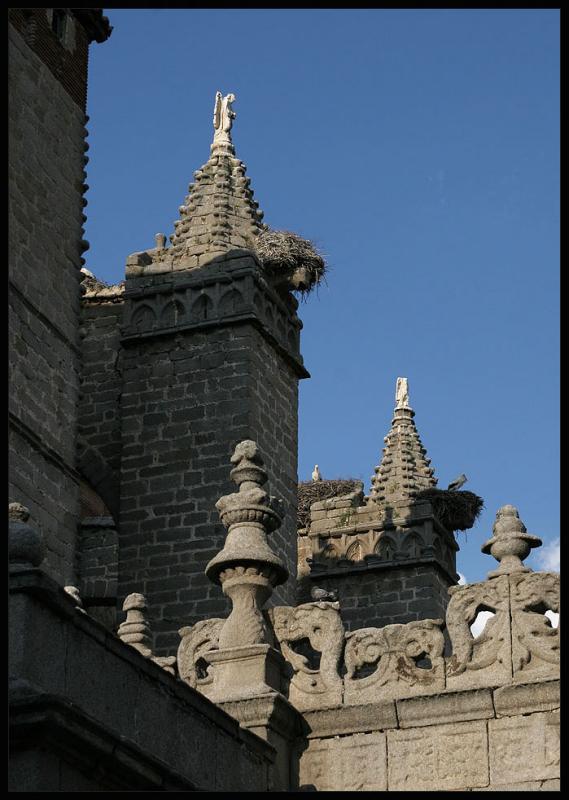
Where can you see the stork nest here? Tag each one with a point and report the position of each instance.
(290, 260)
(457, 511)
(310, 492)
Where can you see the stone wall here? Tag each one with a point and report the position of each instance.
(205, 365)
(479, 740)
(46, 184)
(100, 393)
(85, 716)
(389, 595)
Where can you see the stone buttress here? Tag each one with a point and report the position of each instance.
(210, 357)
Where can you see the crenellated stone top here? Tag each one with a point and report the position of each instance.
(404, 469)
(218, 215)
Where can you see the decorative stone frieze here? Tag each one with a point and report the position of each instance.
(197, 640)
(518, 642)
(320, 624)
(396, 651)
(230, 292)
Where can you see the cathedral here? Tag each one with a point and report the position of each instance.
(184, 615)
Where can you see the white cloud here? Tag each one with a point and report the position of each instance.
(480, 622)
(549, 556)
(462, 580)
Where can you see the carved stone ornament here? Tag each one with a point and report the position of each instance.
(511, 542)
(247, 568)
(535, 643)
(197, 640)
(223, 116)
(396, 650)
(135, 632)
(486, 659)
(320, 624)
(518, 642)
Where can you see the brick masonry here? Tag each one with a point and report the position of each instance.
(101, 387)
(46, 216)
(189, 396)
(397, 594)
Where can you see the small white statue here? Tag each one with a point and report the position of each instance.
(402, 394)
(223, 116)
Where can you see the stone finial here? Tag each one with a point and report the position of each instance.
(402, 393)
(25, 544)
(404, 469)
(511, 543)
(135, 630)
(160, 239)
(247, 568)
(223, 116)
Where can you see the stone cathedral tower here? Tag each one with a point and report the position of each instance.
(209, 356)
(390, 557)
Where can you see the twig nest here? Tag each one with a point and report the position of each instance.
(290, 260)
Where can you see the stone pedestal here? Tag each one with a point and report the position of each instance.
(241, 672)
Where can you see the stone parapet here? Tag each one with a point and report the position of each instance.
(112, 700)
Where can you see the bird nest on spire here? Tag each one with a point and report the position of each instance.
(290, 260)
(457, 511)
(310, 492)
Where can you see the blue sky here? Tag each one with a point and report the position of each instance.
(420, 151)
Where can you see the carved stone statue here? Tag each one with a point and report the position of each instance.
(402, 394)
(223, 116)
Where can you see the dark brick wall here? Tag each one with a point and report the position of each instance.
(67, 61)
(187, 401)
(392, 595)
(101, 383)
(46, 173)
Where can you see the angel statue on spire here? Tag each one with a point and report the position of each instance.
(223, 116)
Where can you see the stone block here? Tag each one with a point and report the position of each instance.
(354, 763)
(524, 748)
(510, 701)
(344, 720)
(445, 708)
(441, 757)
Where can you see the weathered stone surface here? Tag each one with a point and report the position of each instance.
(350, 719)
(510, 701)
(349, 763)
(321, 625)
(128, 695)
(395, 650)
(441, 757)
(485, 660)
(535, 643)
(524, 748)
(445, 708)
(526, 786)
(46, 175)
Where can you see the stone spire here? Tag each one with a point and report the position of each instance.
(404, 469)
(219, 213)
